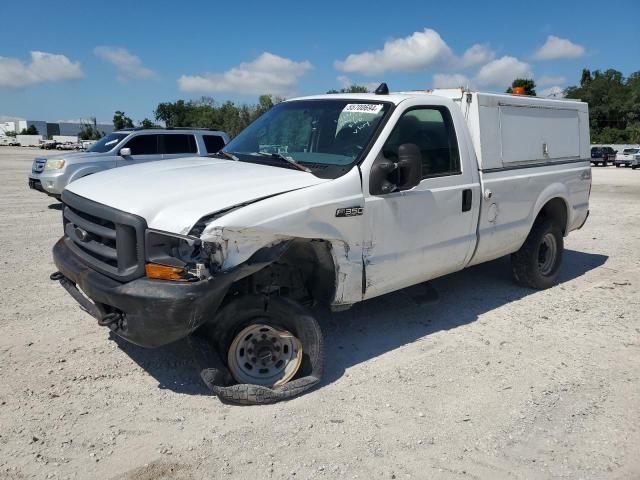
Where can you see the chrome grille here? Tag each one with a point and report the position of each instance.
(109, 241)
(38, 165)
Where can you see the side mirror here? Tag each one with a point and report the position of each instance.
(409, 165)
(125, 152)
(388, 176)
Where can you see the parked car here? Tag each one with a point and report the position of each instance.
(630, 157)
(330, 199)
(48, 144)
(602, 155)
(125, 147)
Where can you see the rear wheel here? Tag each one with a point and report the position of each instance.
(537, 263)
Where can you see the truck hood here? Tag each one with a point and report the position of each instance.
(172, 195)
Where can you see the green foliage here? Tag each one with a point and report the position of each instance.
(528, 84)
(614, 105)
(88, 131)
(146, 123)
(351, 89)
(10, 133)
(32, 130)
(205, 113)
(120, 121)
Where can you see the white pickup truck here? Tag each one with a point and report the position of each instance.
(330, 199)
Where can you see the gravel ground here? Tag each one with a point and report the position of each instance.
(494, 381)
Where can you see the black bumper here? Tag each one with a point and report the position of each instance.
(36, 184)
(149, 313)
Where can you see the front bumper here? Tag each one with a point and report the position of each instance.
(50, 183)
(36, 184)
(150, 313)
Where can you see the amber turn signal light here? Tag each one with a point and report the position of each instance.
(164, 272)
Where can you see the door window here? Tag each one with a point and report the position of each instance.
(143, 145)
(431, 129)
(179, 143)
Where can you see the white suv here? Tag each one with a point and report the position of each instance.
(52, 174)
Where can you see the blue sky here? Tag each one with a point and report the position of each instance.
(132, 55)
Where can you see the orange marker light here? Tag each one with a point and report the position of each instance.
(164, 272)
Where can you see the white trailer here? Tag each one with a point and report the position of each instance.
(29, 140)
(65, 138)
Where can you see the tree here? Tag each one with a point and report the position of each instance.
(205, 113)
(32, 130)
(614, 105)
(351, 89)
(527, 83)
(120, 121)
(146, 123)
(89, 131)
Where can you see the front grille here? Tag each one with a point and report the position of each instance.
(38, 165)
(108, 240)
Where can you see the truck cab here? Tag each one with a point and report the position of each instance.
(330, 199)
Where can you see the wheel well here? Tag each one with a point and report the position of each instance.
(305, 272)
(556, 209)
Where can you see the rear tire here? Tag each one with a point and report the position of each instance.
(537, 263)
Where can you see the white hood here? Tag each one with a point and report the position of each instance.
(172, 195)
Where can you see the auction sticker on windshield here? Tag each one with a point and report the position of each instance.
(372, 108)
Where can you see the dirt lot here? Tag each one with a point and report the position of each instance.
(494, 381)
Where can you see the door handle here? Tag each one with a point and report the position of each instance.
(466, 200)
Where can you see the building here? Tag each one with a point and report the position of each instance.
(49, 129)
(6, 127)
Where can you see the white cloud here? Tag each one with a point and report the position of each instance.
(346, 82)
(477, 55)
(44, 67)
(556, 48)
(550, 80)
(128, 65)
(268, 73)
(501, 72)
(454, 80)
(552, 92)
(408, 54)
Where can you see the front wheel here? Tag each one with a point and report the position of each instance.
(273, 348)
(537, 263)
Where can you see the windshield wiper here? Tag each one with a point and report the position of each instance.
(289, 160)
(228, 155)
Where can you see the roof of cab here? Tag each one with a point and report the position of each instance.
(394, 97)
(450, 93)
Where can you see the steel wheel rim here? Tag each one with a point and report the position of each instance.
(547, 254)
(264, 355)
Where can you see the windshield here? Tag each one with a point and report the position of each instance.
(630, 151)
(107, 143)
(313, 132)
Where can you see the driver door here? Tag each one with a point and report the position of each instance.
(429, 230)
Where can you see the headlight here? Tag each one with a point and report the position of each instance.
(173, 257)
(54, 164)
